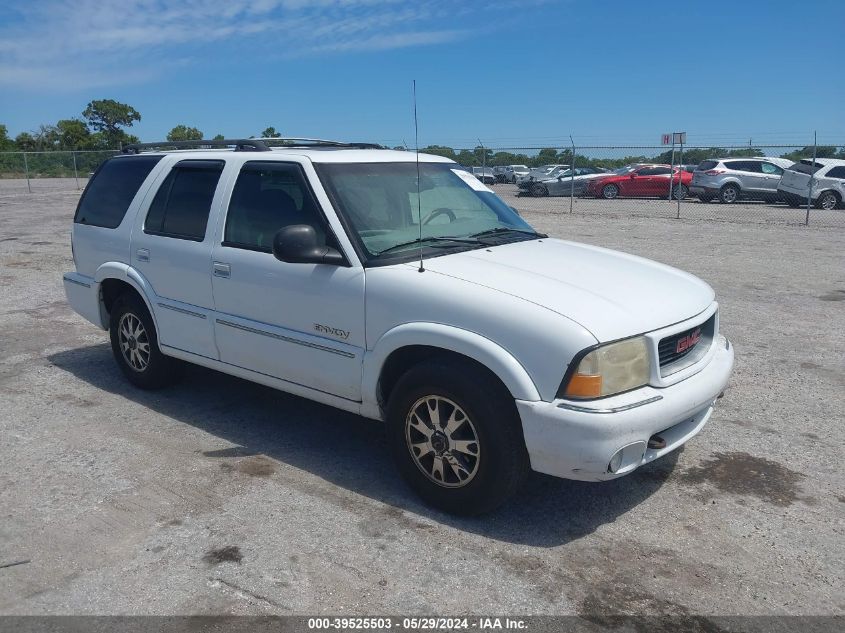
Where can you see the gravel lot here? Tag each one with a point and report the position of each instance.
(221, 496)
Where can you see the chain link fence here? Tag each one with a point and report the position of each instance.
(733, 184)
(741, 187)
(44, 172)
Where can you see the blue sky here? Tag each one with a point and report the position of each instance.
(506, 72)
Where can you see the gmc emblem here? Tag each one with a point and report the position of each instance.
(688, 341)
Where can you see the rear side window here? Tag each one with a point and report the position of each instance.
(806, 166)
(744, 165)
(707, 165)
(836, 172)
(181, 205)
(110, 192)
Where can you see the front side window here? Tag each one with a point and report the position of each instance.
(269, 196)
(181, 206)
(768, 168)
(381, 206)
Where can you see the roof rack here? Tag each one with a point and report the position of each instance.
(241, 145)
(300, 141)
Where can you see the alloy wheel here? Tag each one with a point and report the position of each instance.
(134, 342)
(443, 441)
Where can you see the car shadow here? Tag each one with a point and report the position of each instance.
(351, 452)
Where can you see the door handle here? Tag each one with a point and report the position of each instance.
(143, 254)
(222, 270)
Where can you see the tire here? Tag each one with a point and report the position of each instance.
(538, 191)
(493, 462)
(729, 194)
(134, 343)
(680, 191)
(828, 200)
(705, 199)
(609, 192)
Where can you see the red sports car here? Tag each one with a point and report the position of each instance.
(641, 181)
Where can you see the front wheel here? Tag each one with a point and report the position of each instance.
(827, 201)
(456, 438)
(609, 192)
(539, 191)
(134, 343)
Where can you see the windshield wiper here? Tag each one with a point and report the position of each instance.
(459, 240)
(503, 229)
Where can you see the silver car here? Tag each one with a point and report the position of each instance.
(564, 183)
(514, 172)
(729, 179)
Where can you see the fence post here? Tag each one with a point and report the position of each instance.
(75, 172)
(26, 172)
(680, 180)
(572, 177)
(810, 186)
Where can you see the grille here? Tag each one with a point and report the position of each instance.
(689, 344)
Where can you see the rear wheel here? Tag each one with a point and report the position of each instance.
(134, 344)
(609, 192)
(539, 191)
(729, 194)
(680, 192)
(828, 201)
(456, 438)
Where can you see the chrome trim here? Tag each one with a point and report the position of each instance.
(286, 339)
(78, 283)
(626, 407)
(199, 315)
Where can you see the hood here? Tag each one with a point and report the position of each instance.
(611, 294)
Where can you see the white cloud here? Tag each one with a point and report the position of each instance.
(55, 45)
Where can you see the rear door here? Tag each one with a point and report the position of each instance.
(748, 173)
(171, 249)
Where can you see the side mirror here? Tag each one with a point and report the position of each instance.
(297, 244)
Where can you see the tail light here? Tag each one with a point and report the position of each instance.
(714, 172)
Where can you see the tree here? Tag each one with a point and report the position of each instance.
(440, 150)
(270, 132)
(822, 151)
(73, 134)
(184, 133)
(25, 142)
(6, 144)
(108, 116)
(218, 137)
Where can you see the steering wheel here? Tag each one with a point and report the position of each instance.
(439, 212)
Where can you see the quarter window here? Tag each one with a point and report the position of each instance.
(107, 197)
(269, 196)
(181, 206)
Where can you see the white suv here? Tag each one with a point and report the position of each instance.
(827, 176)
(486, 347)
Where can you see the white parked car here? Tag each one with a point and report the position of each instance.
(300, 268)
(828, 178)
(514, 172)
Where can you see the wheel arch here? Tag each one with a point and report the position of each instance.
(115, 278)
(402, 347)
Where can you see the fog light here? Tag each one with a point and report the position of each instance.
(615, 461)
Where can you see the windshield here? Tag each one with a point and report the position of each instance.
(380, 203)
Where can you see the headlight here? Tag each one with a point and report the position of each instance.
(609, 369)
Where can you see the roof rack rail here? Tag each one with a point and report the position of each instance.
(241, 145)
(301, 141)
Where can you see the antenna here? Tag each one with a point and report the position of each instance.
(419, 199)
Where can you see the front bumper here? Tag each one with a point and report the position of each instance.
(576, 440)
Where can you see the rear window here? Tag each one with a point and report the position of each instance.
(110, 192)
(707, 165)
(806, 166)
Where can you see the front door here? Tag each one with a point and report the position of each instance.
(302, 323)
(171, 249)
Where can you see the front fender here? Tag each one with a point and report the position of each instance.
(474, 346)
